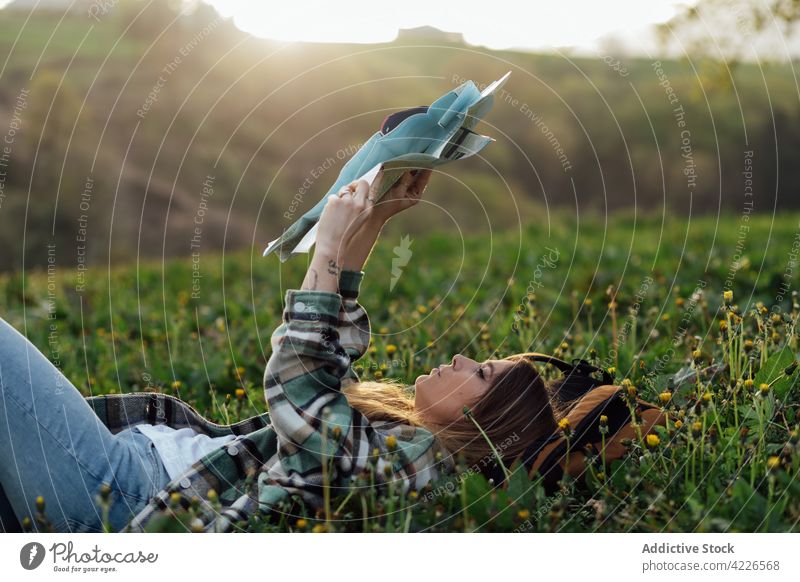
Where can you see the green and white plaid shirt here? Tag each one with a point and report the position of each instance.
(279, 453)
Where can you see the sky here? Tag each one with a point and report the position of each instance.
(577, 27)
(495, 24)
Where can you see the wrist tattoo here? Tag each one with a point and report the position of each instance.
(333, 268)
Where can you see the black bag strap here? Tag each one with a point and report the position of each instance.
(579, 365)
(579, 370)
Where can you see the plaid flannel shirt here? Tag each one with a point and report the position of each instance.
(279, 453)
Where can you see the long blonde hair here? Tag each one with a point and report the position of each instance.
(386, 400)
(514, 412)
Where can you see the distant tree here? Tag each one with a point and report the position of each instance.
(718, 35)
(733, 30)
(781, 171)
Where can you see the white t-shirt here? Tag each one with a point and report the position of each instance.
(179, 448)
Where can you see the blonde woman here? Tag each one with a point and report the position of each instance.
(148, 452)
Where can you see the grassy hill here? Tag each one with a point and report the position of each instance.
(147, 103)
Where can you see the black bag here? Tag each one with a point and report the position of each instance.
(588, 399)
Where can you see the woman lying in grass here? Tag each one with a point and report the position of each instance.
(128, 461)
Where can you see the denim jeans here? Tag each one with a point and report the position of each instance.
(53, 444)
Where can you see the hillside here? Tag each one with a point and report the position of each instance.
(146, 106)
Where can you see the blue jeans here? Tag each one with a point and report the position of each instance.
(53, 444)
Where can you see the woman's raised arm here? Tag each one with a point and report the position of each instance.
(310, 363)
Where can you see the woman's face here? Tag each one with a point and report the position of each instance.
(442, 394)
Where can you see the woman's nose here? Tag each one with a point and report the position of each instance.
(457, 358)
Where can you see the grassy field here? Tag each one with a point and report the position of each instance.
(728, 460)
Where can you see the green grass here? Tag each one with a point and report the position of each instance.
(142, 330)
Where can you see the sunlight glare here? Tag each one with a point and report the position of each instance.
(530, 25)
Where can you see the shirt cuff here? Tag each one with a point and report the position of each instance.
(308, 305)
(350, 283)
